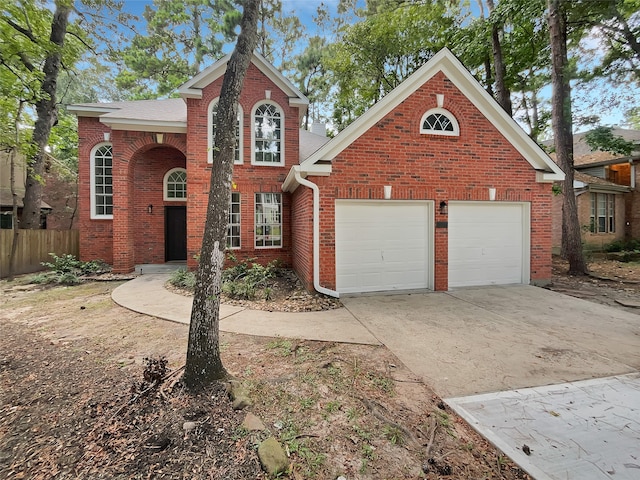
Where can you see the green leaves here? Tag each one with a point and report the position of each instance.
(181, 36)
(602, 138)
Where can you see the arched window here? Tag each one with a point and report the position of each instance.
(439, 121)
(175, 185)
(213, 115)
(101, 161)
(268, 135)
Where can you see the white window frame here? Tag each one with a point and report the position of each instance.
(239, 131)
(236, 224)
(440, 111)
(279, 110)
(261, 221)
(92, 166)
(609, 213)
(165, 183)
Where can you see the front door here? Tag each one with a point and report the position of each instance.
(175, 233)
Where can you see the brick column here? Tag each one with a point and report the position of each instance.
(123, 238)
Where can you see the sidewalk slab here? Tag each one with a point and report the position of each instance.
(146, 294)
(326, 326)
(575, 431)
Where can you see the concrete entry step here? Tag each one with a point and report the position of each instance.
(152, 268)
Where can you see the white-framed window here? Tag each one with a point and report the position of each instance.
(213, 114)
(233, 230)
(101, 162)
(603, 213)
(439, 121)
(268, 134)
(175, 185)
(268, 220)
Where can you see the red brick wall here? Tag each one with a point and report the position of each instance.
(633, 209)
(249, 179)
(302, 233)
(431, 167)
(150, 169)
(133, 236)
(96, 236)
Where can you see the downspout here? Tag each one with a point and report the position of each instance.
(316, 234)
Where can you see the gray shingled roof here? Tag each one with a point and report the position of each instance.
(309, 143)
(170, 110)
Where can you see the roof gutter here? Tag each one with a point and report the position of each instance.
(316, 233)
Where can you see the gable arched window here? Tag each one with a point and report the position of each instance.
(439, 121)
(101, 161)
(213, 116)
(175, 185)
(268, 134)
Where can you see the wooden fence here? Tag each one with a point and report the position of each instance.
(34, 247)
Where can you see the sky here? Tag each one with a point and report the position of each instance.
(305, 9)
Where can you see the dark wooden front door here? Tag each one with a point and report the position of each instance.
(175, 233)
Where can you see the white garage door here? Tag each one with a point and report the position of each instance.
(382, 245)
(488, 243)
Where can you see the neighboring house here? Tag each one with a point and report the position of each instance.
(435, 187)
(6, 196)
(606, 195)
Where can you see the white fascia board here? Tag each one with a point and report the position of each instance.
(215, 71)
(506, 125)
(90, 111)
(191, 88)
(145, 125)
(318, 170)
(190, 93)
(457, 73)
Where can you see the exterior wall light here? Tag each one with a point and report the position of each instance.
(443, 207)
(150, 209)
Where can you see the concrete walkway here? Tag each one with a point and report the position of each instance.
(480, 348)
(146, 294)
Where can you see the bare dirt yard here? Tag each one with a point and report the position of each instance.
(74, 402)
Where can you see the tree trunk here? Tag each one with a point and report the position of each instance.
(203, 364)
(503, 94)
(14, 211)
(47, 116)
(14, 195)
(562, 130)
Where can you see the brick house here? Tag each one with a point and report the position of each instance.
(606, 195)
(434, 187)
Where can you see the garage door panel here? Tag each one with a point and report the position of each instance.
(488, 243)
(382, 246)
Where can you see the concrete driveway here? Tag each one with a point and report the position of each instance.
(493, 339)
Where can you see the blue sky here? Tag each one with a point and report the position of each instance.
(305, 9)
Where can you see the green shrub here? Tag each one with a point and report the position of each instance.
(63, 264)
(623, 246)
(67, 269)
(183, 278)
(245, 279)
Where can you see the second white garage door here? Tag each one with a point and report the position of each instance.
(488, 243)
(383, 245)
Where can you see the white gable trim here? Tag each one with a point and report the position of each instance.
(144, 125)
(447, 63)
(193, 88)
